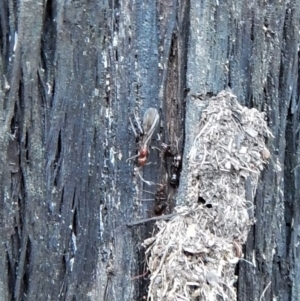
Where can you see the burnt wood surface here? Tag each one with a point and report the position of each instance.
(72, 73)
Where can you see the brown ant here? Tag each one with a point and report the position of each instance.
(160, 200)
(150, 123)
(176, 162)
(166, 150)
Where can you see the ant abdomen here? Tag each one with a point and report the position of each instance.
(142, 161)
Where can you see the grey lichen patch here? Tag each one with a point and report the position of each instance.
(193, 256)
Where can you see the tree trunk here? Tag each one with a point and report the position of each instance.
(73, 74)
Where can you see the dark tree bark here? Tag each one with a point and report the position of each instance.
(72, 73)
(252, 48)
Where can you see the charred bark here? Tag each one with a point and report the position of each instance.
(72, 73)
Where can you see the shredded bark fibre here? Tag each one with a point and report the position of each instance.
(194, 254)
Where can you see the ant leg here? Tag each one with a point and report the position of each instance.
(133, 129)
(138, 124)
(154, 147)
(143, 180)
(147, 191)
(133, 157)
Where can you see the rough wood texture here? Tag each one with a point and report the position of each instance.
(252, 47)
(71, 74)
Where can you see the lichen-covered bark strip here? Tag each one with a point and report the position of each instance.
(252, 48)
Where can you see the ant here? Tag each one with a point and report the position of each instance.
(150, 123)
(166, 150)
(175, 164)
(175, 169)
(160, 198)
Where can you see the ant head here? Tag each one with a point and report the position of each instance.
(165, 146)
